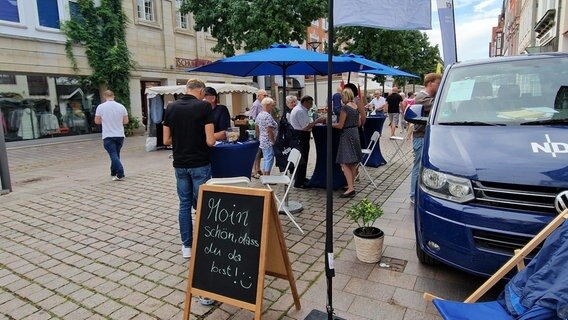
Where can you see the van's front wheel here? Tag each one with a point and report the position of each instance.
(424, 258)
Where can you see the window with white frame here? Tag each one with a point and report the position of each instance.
(9, 11)
(182, 20)
(145, 9)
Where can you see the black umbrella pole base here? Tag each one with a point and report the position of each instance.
(320, 315)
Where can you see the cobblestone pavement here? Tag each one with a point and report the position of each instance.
(76, 245)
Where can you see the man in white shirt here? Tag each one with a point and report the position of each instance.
(113, 116)
(377, 104)
(300, 121)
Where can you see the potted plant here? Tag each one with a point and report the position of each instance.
(368, 239)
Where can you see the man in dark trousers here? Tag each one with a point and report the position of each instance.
(394, 101)
(188, 127)
(300, 121)
(221, 116)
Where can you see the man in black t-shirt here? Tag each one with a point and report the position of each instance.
(393, 101)
(188, 127)
(221, 116)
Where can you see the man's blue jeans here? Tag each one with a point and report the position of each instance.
(112, 146)
(417, 148)
(188, 182)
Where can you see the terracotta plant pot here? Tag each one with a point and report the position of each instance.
(369, 244)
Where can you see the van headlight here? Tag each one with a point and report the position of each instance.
(446, 186)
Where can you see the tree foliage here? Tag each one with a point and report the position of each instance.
(254, 24)
(102, 31)
(410, 50)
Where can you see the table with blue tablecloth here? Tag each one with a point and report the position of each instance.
(233, 159)
(373, 124)
(319, 176)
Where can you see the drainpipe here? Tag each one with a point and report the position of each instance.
(533, 22)
(558, 12)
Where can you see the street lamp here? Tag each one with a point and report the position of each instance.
(315, 45)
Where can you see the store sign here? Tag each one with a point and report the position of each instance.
(191, 63)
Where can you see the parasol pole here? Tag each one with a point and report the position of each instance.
(329, 269)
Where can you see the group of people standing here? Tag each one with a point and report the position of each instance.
(193, 123)
(392, 107)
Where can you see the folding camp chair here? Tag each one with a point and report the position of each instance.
(287, 181)
(367, 155)
(493, 310)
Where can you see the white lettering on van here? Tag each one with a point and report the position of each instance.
(550, 147)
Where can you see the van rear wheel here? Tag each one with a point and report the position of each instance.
(424, 258)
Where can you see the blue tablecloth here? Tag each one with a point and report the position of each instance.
(371, 125)
(319, 176)
(233, 159)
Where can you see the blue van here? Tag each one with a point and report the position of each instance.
(494, 167)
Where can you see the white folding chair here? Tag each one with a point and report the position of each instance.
(398, 143)
(287, 181)
(367, 155)
(233, 181)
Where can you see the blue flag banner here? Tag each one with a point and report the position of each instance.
(448, 30)
(384, 14)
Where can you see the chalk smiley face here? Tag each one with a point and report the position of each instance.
(246, 286)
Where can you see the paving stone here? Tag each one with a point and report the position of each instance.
(94, 300)
(108, 307)
(124, 313)
(80, 314)
(23, 311)
(64, 308)
(39, 315)
(166, 311)
(150, 305)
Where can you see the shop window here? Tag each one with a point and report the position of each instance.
(182, 20)
(37, 86)
(9, 11)
(145, 9)
(48, 13)
(7, 79)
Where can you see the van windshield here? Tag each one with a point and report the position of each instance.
(524, 92)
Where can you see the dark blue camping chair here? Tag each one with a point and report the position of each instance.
(539, 291)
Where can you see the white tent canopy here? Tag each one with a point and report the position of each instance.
(219, 87)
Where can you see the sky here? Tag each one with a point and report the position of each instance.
(474, 20)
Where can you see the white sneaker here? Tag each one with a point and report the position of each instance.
(206, 301)
(115, 178)
(186, 252)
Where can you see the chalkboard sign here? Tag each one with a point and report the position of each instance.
(227, 254)
(239, 239)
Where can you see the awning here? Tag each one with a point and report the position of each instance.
(219, 87)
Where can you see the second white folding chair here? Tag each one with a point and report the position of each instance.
(367, 155)
(398, 142)
(287, 181)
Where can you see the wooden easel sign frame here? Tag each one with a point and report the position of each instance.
(237, 240)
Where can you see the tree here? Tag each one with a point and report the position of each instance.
(253, 24)
(102, 31)
(410, 50)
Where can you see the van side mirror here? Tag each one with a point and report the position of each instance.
(415, 114)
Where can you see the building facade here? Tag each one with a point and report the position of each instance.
(42, 96)
(532, 26)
